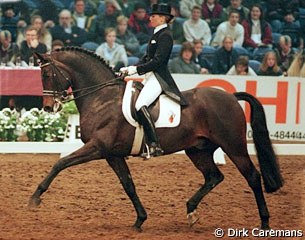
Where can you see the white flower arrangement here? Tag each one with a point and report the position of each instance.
(8, 125)
(38, 125)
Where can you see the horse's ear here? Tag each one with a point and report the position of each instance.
(40, 57)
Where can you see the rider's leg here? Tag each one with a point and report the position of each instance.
(148, 95)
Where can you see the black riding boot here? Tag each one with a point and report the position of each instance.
(145, 120)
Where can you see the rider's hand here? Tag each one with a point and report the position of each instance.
(129, 70)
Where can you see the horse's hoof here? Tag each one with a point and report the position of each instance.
(34, 202)
(137, 229)
(192, 218)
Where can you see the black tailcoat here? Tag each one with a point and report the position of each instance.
(156, 59)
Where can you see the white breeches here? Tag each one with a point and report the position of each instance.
(150, 91)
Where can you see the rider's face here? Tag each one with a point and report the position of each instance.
(157, 20)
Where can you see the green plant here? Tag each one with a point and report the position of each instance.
(8, 125)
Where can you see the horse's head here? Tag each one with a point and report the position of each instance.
(56, 79)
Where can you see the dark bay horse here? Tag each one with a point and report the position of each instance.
(213, 119)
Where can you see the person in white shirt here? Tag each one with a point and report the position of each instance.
(186, 7)
(230, 28)
(196, 28)
(241, 67)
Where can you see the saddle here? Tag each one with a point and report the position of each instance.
(165, 113)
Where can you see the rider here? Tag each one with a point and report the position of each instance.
(157, 76)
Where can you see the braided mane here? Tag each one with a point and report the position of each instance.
(87, 52)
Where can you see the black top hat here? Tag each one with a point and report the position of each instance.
(161, 9)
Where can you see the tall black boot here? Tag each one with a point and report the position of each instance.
(150, 132)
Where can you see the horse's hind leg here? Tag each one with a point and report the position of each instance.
(85, 154)
(203, 160)
(248, 170)
(120, 167)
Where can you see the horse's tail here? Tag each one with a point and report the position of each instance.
(266, 157)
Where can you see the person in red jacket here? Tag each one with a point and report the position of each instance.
(257, 32)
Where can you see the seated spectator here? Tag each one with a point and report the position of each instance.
(44, 35)
(91, 7)
(126, 37)
(105, 20)
(139, 23)
(241, 67)
(213, 13)
(199, 59)
(258, 32)
(80, 18)
(69, 34)
(112, 52)
(57, 44)
(184, 63)
(176, 26)
(48, 10)
(186, 7)
(237, 6)
(31, 44)
(225, 57)
(8, 50)
(230, 28)
(269, 65)
(9, 20)
(196, 28)
(127, 7)
(285, 53)
(292, 28)
(274, 14)
(297, 67)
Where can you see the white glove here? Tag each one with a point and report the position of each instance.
(130, 70)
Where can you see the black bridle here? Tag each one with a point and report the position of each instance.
(63, 96)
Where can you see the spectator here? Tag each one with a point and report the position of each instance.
(201, 62)
(44, 35)
(269, 66)
(127, 7)
(186, 7)
(57, 44)
(196, 28)
(105, 20)
(9, 21)
(176, 25)
(292, 28)
(79, 16)
(112, 52)
(297, 67)
(274, 14)
(213, 13)
(225, 57)
(184, 63)
(69, 34)
(126, 37)
(258, 32)
(230, 28)
(31, 44)
(285, 53)
(241, 67)
(8, 50)
(139, 23)
(91, 7)
(48, 11)
(237, 6)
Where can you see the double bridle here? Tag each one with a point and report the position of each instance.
(63, 96)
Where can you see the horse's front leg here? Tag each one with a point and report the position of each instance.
(85, 154)
(120, 167)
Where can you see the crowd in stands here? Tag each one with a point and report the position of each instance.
(210, 36)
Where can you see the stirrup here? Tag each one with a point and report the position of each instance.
(153, 151)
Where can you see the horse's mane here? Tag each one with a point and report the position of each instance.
(86, 52)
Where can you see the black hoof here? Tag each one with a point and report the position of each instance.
(34, 202)
(137, 229)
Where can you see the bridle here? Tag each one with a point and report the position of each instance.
(61, 97)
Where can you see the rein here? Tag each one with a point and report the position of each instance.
(64, 94)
